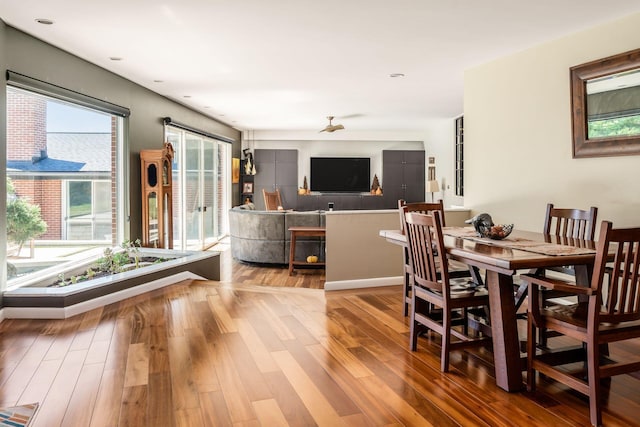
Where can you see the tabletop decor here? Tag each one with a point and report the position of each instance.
(481, 222)
(497, 232)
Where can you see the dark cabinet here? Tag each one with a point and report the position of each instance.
(340, 202)
(374, 202)
(276, 169)
(308, 202)
(403, 174)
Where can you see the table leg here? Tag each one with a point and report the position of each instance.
(292, 252)
(506, 347)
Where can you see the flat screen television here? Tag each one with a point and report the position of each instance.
(340, 174)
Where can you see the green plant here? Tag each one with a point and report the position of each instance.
(106, 262)
(113, 262)
(23, 218)
(133, 250)
(61, 281)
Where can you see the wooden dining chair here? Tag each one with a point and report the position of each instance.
(272, 199)
(432, 288)
(572, 223)
(604, 315)
(456, 270)
(565, 224)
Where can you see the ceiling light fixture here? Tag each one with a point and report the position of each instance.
(44, 21)
(158, 81)
(115, 58)
(396, 75)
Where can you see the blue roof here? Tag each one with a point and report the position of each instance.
(70, 152)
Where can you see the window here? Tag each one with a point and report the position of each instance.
(64, 158)
(459, 156)
(88, 210)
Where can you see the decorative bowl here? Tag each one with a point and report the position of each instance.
(498, 232)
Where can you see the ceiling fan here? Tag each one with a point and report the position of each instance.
(331, 127)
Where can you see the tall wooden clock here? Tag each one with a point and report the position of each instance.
(157, 204)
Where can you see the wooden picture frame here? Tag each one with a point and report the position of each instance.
(247, 188)
(593, 73)
(235, 170)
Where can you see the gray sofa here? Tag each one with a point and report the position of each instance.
(263, 236)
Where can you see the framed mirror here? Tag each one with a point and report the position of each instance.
(605, 104)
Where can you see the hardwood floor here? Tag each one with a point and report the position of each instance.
(239, 352)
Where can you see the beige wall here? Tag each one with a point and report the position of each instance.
(518, 135)
(357, 257)
(356, 254)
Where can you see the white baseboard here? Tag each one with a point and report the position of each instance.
(339, 285)
(65, 312)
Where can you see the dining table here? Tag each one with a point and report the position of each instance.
(502, 259)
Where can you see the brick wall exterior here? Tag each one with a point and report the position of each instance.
(48, 195)
(26, 125)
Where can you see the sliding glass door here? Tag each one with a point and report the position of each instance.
(202, 190)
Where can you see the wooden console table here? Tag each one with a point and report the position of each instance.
(303, 231)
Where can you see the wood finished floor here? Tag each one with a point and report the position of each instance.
(239, 353)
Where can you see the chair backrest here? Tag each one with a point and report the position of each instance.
(272, 199)
(573, 223)
(425, 244)
(419, 207)
(621, 298)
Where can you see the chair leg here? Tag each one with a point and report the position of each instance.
(542, 339)
(531, 352)
(413, 326)
(406, 287)
(446, 341)
(593, 375)
(465, 325)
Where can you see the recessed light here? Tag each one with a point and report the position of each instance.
(187, 96)
(396, 75)
(158, 81)
(115, 58)
(207, 107)
(44, 21)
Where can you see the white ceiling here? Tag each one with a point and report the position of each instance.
(287, 64)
